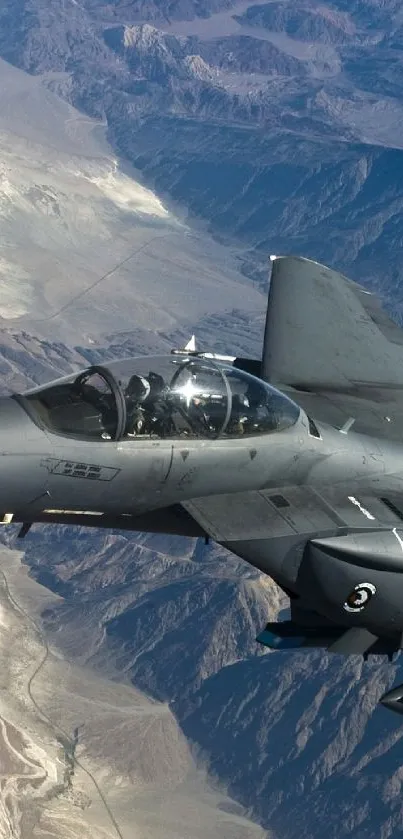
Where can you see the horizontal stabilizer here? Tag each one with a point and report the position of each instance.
(355, 641)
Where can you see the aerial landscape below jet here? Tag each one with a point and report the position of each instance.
(294, 462)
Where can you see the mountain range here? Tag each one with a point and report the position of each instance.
(228, 131)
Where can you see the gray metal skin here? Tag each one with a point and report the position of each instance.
(318, 510)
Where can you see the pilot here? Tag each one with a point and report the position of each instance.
(157, 410)
(263, 416)
(136, 392)
(158, 388)
(240, 414)
(198, 414)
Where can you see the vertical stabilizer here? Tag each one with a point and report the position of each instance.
(324, 331)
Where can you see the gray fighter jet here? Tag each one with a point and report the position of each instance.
(294, 462)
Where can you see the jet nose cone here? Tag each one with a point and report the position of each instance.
(393, 699)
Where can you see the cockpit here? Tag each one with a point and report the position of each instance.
(177, 396)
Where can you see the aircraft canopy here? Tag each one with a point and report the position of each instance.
(174, 396)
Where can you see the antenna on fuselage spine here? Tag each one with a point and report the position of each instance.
(191, 345)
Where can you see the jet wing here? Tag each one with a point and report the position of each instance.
(254, 523)
(270, 529)
(332, 348)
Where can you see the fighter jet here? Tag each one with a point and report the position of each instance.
(293, 461)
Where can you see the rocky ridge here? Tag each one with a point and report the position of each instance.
(283, 134)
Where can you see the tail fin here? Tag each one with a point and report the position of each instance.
(323, 330)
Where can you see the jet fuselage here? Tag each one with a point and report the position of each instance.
(43, 470)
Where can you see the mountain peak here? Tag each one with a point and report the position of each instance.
(143, 36)
(199, 69)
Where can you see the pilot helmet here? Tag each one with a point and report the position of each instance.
(138, 388)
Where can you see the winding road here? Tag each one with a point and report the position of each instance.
(57, 729)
